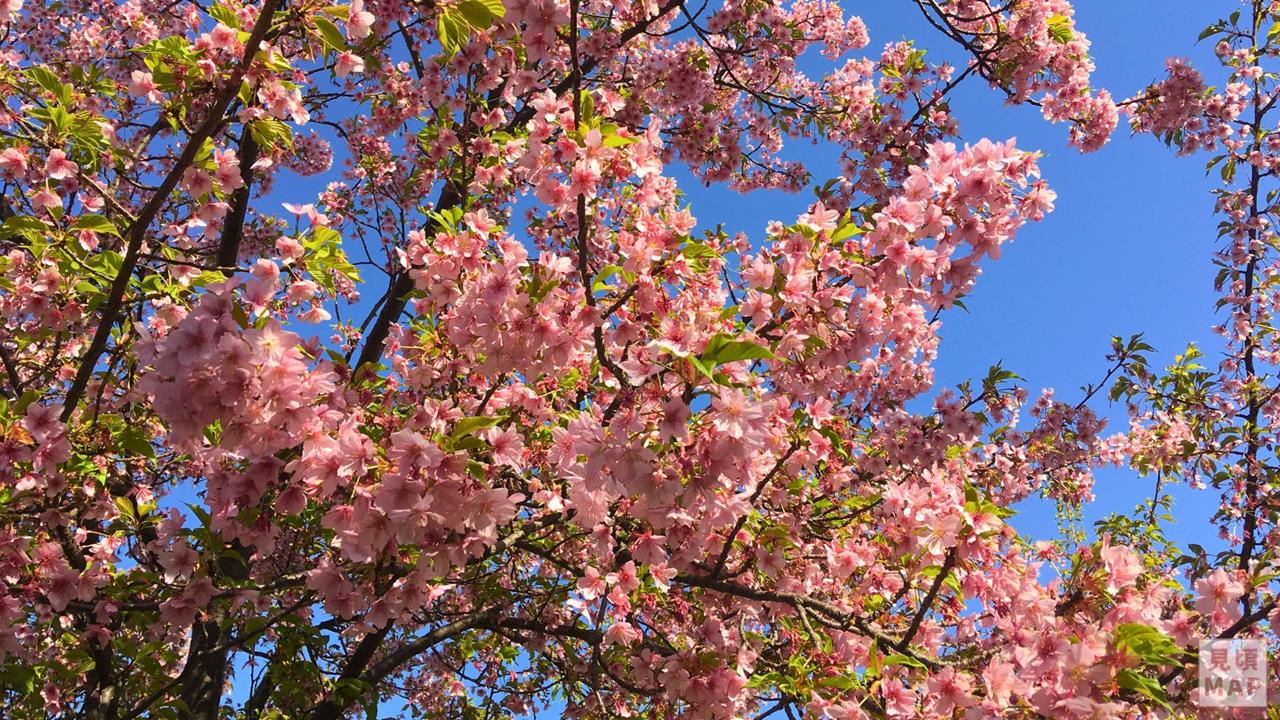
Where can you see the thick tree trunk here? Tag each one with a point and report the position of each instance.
(211, 637)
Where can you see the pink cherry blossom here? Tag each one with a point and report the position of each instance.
(58, 167)
(1217, 594)
(46, 199)
(348, 63)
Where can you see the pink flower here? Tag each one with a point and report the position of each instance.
(291, 500)
(649, 549)
(42, 421)
(899, 701)
(508, 448)
(1219, 594)
(224, 38)
(359, 20)
(1122, 566)
(820, 218)
(289, 248)
(675, 420)
(625, 579)
(583, 179)
(591, 585)
(497, 506)
(178, 561)
(228, 171)
(177, 611)
(58, 167)
(9, 8)
(197, 181)
(62, 586)
(1001, 681)
(13, 163)
(662, 576)
(142, 84)
(950, 690)
(52, 699)
(348, 63)
(736, 415)
(46, 199)
(621, 633)
(328, 580)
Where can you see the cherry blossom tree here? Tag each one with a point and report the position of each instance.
(493, 425)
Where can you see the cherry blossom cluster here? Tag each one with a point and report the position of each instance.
(372, 352)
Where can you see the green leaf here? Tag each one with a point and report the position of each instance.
(723, 349)
(699, 255)
(1060, 28)
(96, 223)
(840, 682)
(480, 14)
(324, 256)
(55, 117)
(606, 272)
(845, 231)
(175, 48)
(349, 689)
(23, 225)
(201, 514)
(1143, 685)
(1148, 643)
(329, 34)
(468, 425)
(133, 439)
(19, 677)
(538, 289)
(702, 367)
(875, 660)
(900, 659)
(125, 507)
(765, 680)
(447, 219)
(45, 78)
(455, 24)
(586, 107)
(452, 30)
(270, 133)
(225, 15)
(618, 140)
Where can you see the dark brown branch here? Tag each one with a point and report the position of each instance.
(401, 284)
(330, 708)
(233, 225)
(929, 598)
